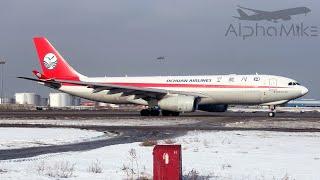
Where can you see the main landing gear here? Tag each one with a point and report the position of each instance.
(150, 112)
(272, 112)
(156, 112)
(170, 113)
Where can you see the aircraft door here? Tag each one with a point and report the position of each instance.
(267, 92)
(272, 82)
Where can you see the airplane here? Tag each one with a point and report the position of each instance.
(160, 58)
(168, 95)
(259, 15)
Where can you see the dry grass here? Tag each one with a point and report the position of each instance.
(41, 167)
(149, 142)
(61, 169)
(95, 167)
(169, 141)
(133, 170)
(195, 175)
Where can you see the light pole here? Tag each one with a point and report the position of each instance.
(2, 63)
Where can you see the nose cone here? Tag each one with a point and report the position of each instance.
(308, 10)
(304, 90)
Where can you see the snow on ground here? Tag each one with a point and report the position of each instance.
(280, 109)
(219, 154)
(270, 123)
(11, 138)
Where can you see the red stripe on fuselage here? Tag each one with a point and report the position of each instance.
(189, 85)
(167, 85)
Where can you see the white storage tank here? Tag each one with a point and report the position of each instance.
(6, 100)
(44, 102)
(27, 98)
(76, 101)
(60, 100)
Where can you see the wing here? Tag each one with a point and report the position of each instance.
(144, 93)
(253, 10)
(285, 18)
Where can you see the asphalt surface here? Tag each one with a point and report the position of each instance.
(139, 133)
(85, 114)
(125, 137)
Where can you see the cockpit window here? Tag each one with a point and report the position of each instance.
(293, 83)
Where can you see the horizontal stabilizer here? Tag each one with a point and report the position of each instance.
(39, 75)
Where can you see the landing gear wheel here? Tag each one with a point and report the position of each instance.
(145, 112)
(166, 113)
(154, 112)
(271, 114)
(149, 112)
(170, 113)
(175, 113)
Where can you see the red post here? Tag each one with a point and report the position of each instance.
(167, 162)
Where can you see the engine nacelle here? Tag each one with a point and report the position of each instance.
(180, 103)
(213, 107)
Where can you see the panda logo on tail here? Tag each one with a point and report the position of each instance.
(50, 61)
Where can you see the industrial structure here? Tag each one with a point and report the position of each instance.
(59, 100)
(2, 63)
(6, 100)
(27, 98)
(55, 100)
(304, 103)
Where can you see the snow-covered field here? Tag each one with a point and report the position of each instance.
(218, 154)
(11, 138)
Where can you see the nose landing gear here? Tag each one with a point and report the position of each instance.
(272, 112)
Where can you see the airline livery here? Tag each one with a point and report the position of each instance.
(168, 95)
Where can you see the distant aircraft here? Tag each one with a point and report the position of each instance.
(259, 15)
(161, 58)
(169, 95)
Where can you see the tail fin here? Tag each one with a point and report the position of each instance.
(53, 65)
(242, 13)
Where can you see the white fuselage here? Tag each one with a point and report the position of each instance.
(219, 89)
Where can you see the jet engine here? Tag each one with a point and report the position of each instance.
(213, 107)
(179, 103)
